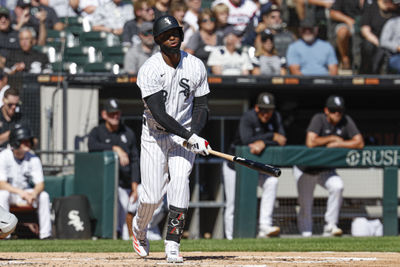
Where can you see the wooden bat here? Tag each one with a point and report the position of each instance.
(254, 165)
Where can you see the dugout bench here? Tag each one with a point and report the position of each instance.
(385, 157)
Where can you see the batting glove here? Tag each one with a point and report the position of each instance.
(198, 145)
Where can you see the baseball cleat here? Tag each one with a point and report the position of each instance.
(270, 231)
(172, 251)
(141, 247)
(332, 230)
(8, 223)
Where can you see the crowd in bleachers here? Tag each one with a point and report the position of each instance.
(231, 37)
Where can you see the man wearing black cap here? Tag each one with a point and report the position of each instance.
(258, 128)
(113, 135)
(8, 36)
(330, 129)
(323, 60)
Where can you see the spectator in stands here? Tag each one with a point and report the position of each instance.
(205, 39)
(374, 17)
(319, 11)
(63, 8)
(230, 59)
(259, 128)
(390, 40)
(332, 128)
(36, 10)
(113, 135)
(3, 85)
(178, 10)
(21, 178)
(25, 17)
(111, 17)
(161, 8)
(27, 59)
(8, 36)
(323, 60)
(347, 15)
(303, 7)
(87, 7)
(221, 13)
(271, 22)
(143, 12)
(140, 52)
(192, 14)
(191, 18)
(241, 12)
(269, 63)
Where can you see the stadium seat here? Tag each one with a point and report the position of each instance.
(99, 67)
(98, 39)
(80, 55)
(114, 54)
(76, 25)
(55, 38)
(50, 51)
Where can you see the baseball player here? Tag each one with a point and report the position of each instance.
(21, 178)
(8, 222)
(259, 128)
(115, 136)
(174, 89)
(332, 128)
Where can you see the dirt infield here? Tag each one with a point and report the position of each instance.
(204, 259)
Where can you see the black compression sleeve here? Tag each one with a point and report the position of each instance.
(200, 114)
(157, 107)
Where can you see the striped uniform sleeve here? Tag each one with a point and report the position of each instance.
(148, 79)
(202, 87)
(37, 171)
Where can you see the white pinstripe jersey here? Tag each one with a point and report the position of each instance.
(19, 172)
(179, 86)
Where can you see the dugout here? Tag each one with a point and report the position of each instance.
(64, 108)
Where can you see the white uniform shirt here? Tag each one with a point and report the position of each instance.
(241, 15)
(17, 172)
(232, 64)
(111, 15)
(179, 85)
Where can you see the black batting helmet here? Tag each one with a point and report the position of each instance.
(19, 133)
(165, 23)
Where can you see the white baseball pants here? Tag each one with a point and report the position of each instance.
(267, 183)
(165, 168)
(42, 204)
(306, 183)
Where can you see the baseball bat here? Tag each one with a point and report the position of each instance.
(254, 165)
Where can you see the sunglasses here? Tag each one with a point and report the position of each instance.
(12, 105)
(334, 110)
(147, 33)
(208, 20)
(3, 16)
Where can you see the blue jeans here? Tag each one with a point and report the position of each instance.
(394, 63)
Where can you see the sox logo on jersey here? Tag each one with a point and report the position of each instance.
(184, 83)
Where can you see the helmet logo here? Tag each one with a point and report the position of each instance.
(168, 21)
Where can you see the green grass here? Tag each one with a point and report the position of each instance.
(376, 244)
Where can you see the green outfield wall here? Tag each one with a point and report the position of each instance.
(386, 157)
